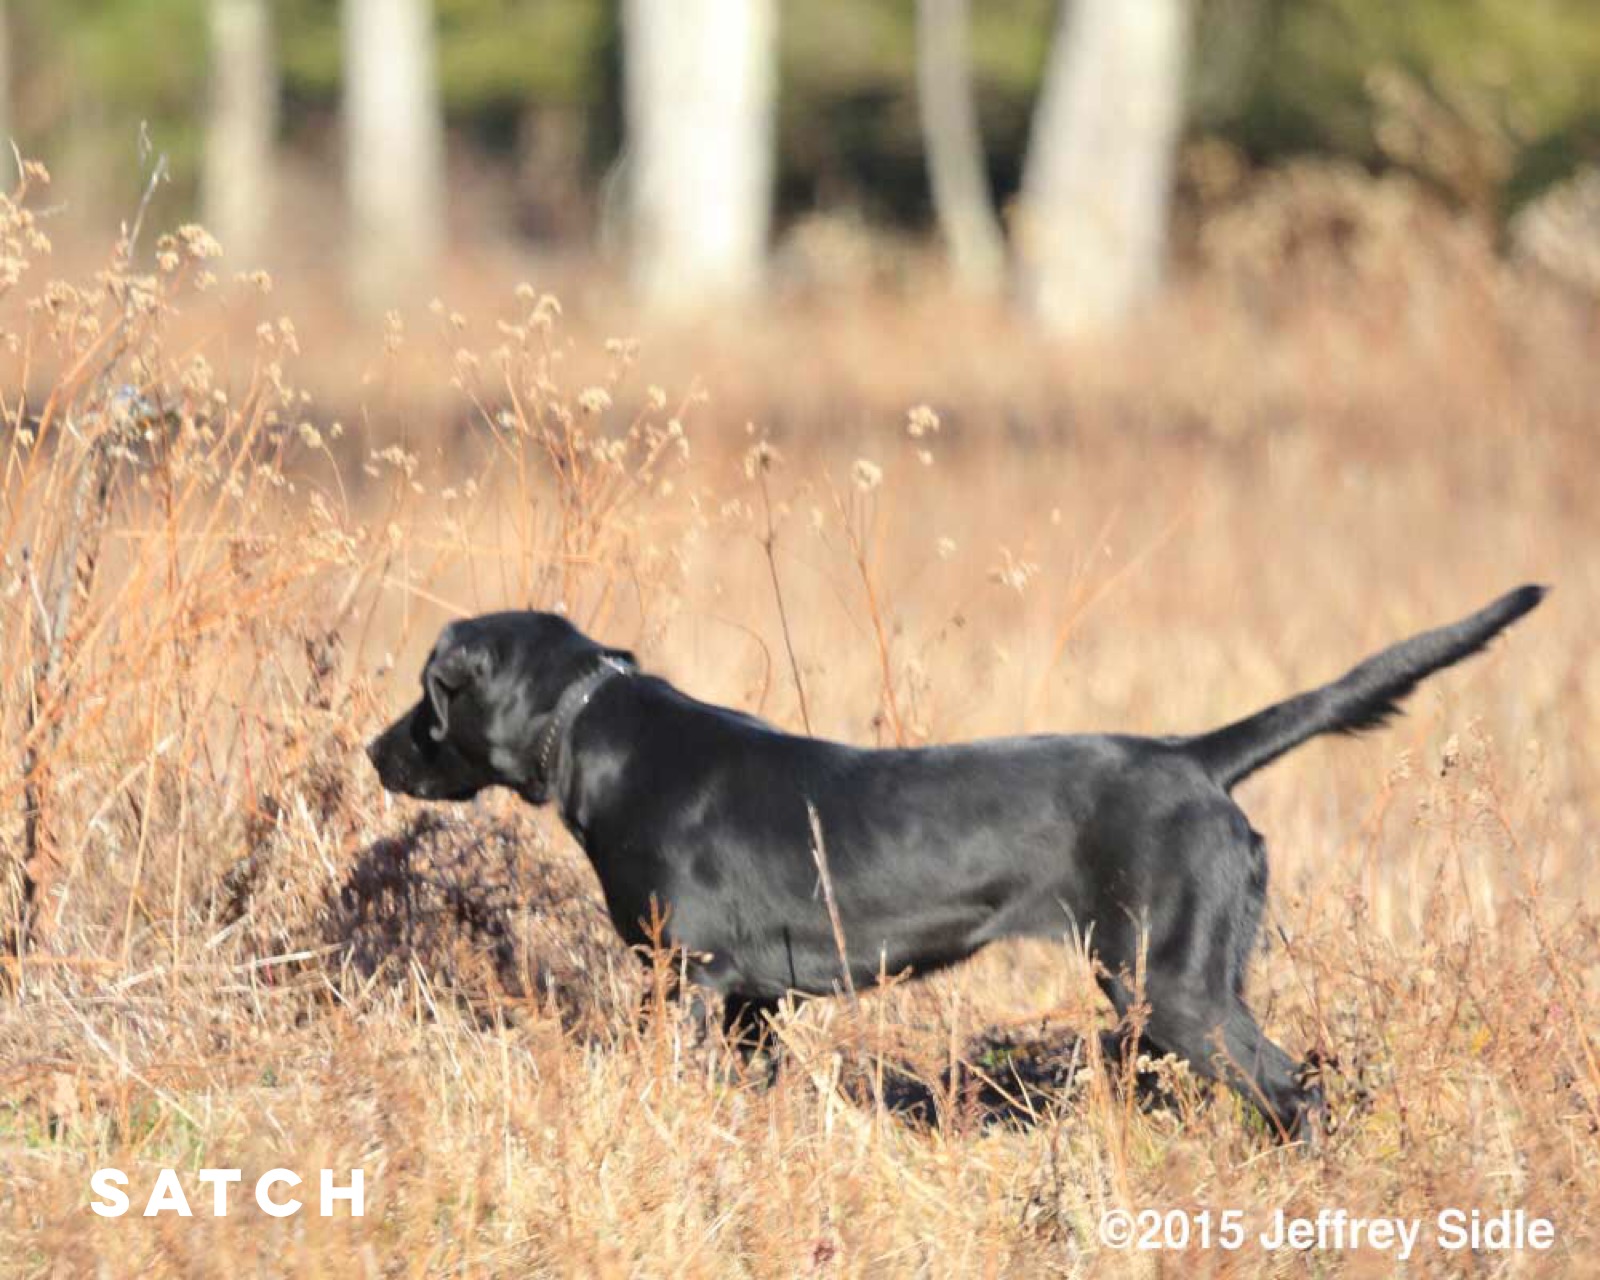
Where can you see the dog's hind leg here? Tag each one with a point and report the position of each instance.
(1219, 1037)
(1194, 946)
(1195, 939)
(1228, 1044)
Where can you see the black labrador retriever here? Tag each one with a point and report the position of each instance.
(702, 816)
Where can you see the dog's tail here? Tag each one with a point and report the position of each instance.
(1363, 699)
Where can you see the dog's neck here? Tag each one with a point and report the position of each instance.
(569, 706)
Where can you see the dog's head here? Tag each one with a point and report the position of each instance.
(489, 690)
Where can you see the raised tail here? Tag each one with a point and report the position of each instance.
(1364, 698)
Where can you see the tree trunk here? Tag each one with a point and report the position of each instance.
(954, 147)
(236, 191)
(700, 81)
(394, 148)
(1097, 186)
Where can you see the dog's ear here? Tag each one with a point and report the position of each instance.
(455, 665)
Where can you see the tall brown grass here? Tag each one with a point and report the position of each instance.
(225, 947)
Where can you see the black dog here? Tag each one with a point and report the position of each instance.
(699, 815)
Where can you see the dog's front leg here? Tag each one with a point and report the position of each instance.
(745, 1022)
(748, 1030)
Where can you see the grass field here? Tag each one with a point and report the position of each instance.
(227, 948)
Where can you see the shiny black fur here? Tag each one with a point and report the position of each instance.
(1133, 844)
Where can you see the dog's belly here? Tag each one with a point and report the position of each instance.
(806, 959)
(763, 949)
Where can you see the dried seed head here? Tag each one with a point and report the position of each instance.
(761, 457)
(198, 243)
(865, 475)
(1013, 571)
(921, 421)
(594, 400)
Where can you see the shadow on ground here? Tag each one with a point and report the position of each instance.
(1004, 1077)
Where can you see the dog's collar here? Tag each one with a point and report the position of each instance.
(569, 706)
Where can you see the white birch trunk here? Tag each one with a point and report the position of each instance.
(394, 148)
(236, 181)
(700, 95)
(1096, 192)
(954, 148)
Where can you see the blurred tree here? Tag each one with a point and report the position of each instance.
(1491, 101)
(960, 184)
(699, 92)
(5, 91)
(236, 182)
(850, 132)
(492, 53)
(394, 147)
(1092, 227)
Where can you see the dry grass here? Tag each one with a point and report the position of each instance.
(237, 952)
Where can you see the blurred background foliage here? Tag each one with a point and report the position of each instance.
(1488, 101)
